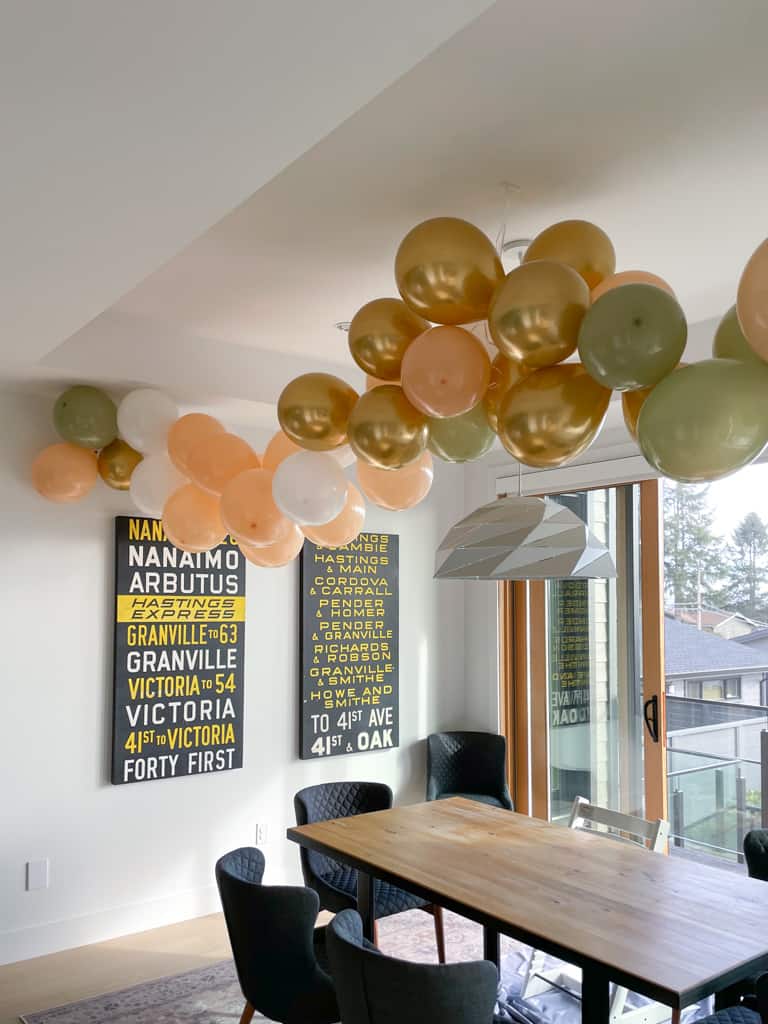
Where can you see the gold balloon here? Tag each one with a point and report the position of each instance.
(536, 313)
(446, 270)
(380, 333)
(385, 430)
(504, 375)
(116, 464)
(581, 245)
(552, 415)
(313, 410)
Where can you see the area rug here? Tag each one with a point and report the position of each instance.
(211, 995)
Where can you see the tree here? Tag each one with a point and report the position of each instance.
(747, 571)
(693, 554)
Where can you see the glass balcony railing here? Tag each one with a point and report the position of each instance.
(713, 802)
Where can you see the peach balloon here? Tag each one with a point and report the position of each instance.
(64, 472)
(219, 458)
(397, 489)
(345, 527)
(274, 555)
(249, 510)
(279, 448)
(445, 372)
(186, 434)
(752, 301)
(192, 520)
(630, 277)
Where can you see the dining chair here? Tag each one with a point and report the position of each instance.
(377, 989)
(279, 954)
(335, 883)
(753, 1009)
(756, 853)
(625, 828)
(468, 764)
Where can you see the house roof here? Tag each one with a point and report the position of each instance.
(756, 634)
(690, 652)
(710, 617)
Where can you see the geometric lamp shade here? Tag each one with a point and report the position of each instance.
(516, 538)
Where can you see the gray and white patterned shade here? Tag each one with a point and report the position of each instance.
(522, 539)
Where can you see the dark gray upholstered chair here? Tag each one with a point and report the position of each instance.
(335, 883)
(376, 989)
(753, 1010)
(756, 853)
(468, 764)
(279, 954)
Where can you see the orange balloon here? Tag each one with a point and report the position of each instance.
(397, 489)
(630, 277)
(219, 458)
(633, 401)
(186, 434)
(274, 555)
(347, 524)
(279, 448)
(249, 510)
(446, 371)
(192, 520)
(64, 472)
(752, 301)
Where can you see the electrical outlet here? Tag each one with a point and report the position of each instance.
(261, 834)
(38, 874)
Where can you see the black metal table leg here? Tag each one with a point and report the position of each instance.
(491, 946)
(595, 996)
(366, 904)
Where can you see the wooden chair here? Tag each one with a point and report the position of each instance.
(623, 828)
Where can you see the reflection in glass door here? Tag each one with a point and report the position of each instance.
(594, 679)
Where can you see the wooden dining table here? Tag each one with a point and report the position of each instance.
(666, 927)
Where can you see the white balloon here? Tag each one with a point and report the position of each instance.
(310, 488)
(144, 418)
(153, 486)
(344, 455)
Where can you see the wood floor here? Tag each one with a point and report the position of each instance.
(87, 971)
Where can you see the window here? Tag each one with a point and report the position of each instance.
(693, 689)
(733, 688)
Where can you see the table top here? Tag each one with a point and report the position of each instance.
(666, 927)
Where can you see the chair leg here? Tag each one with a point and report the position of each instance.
(437, 913)
(247, 1014)
(376, 933)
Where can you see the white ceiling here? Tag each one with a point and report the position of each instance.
(649, 119)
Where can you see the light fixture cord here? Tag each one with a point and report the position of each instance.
(519, 479)
(510, 191)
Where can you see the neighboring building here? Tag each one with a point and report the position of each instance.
(702, 665)
(728, 625)
(756, 641)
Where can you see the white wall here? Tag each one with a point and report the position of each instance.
(124, 858)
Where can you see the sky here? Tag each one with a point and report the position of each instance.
(732, 498)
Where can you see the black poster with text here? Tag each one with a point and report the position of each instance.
(179, 652)
(349, 647)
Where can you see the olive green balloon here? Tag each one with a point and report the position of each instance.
(705, 420)
(632, 337)
(730, 342)
(461, 438)
(86, 416)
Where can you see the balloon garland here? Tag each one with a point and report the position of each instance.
(432, 389)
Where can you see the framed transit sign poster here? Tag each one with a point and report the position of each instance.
(349, 646)
(179, 649)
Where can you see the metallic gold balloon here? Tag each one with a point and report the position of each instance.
(385, 430)
(581, 245)
(446, 270)
(730, 342)
(632, 337)
(752, 300)
(552, 415)
(380, 333)
(705, 420)
(116, 464)
(461, 438)
(504, 375)
(313, 410)
(536, 313)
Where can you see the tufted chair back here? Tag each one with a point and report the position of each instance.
(471, 764)
(756, 853)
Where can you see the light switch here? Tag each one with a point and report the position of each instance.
(38, 874)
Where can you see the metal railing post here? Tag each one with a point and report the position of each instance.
(719, 789)
(741, 807)
(678, 817)
(764, 778)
